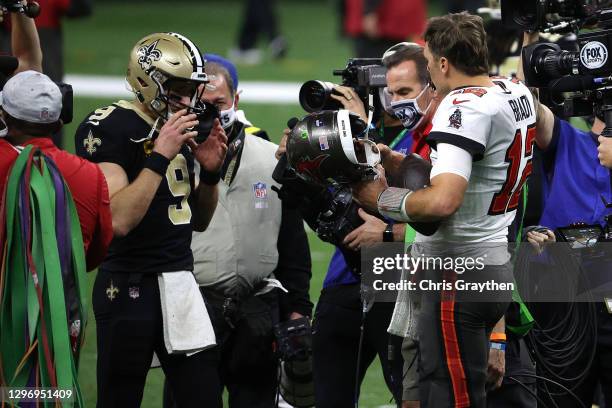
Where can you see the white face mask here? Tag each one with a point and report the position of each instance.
(409, 112)
(227, 117)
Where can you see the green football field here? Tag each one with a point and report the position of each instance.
(100, 46)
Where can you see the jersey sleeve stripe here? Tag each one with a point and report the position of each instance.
(474, 148)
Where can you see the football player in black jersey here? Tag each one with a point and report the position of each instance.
(146, 150)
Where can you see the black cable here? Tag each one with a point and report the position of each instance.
(570, 330)
(567, 390)
(361, 335)
(530, 391)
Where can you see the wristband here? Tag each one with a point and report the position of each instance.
(497, 346)
(391, 203)
(157, 162)
(498, 337)
(209, 178)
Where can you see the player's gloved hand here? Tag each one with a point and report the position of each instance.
(368, 233)
(211, 153)
(174, 134)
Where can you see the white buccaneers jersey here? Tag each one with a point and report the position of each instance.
(497, 126)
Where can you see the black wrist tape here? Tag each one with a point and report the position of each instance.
(158, 163)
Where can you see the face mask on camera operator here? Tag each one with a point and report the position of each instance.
(412, 111)
(407, 96)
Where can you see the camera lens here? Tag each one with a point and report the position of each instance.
(556, 64)
(315, 96)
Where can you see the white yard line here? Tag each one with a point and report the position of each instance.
(97, 86)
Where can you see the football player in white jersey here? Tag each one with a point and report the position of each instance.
(482, 139)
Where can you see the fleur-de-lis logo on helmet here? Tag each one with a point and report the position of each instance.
(147, 54)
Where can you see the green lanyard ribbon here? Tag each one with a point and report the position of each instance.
(37, 321)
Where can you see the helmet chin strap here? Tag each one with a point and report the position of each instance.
(150, 135)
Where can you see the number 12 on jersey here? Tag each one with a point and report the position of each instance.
(518, 155)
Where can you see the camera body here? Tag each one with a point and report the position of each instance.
(30, 9)
(364, 75)
(546, 62)
(577, 82)
(549, 15)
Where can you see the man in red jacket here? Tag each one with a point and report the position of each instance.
(31, 106)
(376, 25)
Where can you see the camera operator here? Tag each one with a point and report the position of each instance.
(31, 107)
(338, 314)
(20, 127)
(573, 168)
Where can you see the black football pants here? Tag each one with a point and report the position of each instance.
(454, 346)
(129, 329)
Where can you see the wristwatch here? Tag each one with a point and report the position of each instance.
(388, 233)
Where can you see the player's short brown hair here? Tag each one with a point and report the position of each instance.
(460, 38)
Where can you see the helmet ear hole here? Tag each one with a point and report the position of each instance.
(142, 82)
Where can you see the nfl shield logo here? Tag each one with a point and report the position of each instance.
(260, 191)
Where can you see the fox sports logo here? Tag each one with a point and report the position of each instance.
(593, 55)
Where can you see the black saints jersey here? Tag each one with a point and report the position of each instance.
(162, 241)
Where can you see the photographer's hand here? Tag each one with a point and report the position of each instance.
(605, 151)
(282, 146)
(539, 239)
(350, 100)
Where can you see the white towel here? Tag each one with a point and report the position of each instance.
(405, 317)
(187, 326)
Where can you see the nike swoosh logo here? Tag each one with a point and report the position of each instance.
(457, 102)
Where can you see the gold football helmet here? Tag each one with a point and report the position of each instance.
(163, 61)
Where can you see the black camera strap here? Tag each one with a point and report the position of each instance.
(232, 158)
